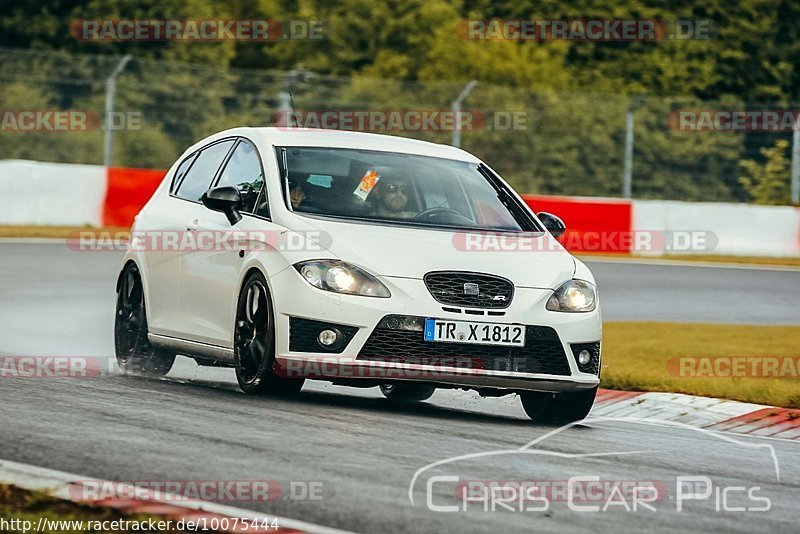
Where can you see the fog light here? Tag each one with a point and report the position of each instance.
(584, 357)
(328, 337)
(403, 322)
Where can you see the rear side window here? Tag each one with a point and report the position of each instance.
(243, 171)
(205, 167)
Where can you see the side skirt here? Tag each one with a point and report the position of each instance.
(192, 348)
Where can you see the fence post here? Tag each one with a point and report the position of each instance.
(111, 90)
(457, 111)
(286, 113)
(627, 170)
(795, 165)
(285, 109)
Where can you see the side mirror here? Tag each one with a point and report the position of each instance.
(553, 224)
(226, 199)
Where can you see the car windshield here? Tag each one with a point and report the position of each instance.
(399, 188)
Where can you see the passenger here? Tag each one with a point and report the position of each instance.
(296, 194)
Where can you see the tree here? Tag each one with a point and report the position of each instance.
(768, 181)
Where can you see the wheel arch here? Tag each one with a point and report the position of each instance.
(247, 271)
(122, 271)
(142, 277)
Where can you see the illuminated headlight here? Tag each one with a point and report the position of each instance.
(573, 296)
(340, 277)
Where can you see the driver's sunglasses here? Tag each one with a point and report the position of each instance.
(403, 189)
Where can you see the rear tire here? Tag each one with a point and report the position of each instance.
(407, 392)
(134, 352)
(559, 408)
(254, 343)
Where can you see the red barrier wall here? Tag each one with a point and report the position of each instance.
(592, 225)
(127, 191)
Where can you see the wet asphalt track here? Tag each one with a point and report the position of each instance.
(196, 425)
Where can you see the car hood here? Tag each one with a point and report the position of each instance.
(528, 260)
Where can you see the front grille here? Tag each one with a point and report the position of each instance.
(593, 367)
(448, 287)
(303, 335)
(542, 353)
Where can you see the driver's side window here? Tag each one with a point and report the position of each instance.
(244, 172)
(203, 170)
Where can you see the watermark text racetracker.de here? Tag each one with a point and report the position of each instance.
(69, 120)
(644, 241)
(197, 30)
(391, 367)
(734, 366)
(734, 120)
(197, 240)
(404, 120)
(54, 367)
(188, 491)
(585, 29)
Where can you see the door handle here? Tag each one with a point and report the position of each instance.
(192, 226)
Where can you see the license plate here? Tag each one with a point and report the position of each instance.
(511, 335)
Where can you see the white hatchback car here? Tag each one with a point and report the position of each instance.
(361, 259)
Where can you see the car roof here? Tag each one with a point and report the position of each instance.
(341, 139)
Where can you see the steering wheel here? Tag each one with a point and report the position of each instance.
(433, 213)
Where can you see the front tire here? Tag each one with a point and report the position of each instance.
(560, 408)
(134, 352)
(407, 392)
(254, 342)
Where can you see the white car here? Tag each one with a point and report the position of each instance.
(361, 259)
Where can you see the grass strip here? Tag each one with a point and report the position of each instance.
(712, 360)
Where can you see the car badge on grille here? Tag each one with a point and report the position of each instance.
(472, 289)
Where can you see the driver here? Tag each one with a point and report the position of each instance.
(391, 195)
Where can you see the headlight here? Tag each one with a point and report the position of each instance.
(573, 296)
(340, 277)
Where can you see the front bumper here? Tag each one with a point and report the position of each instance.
(477, 367)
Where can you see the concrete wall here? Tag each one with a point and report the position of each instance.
(51, 194)
(735, 229)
